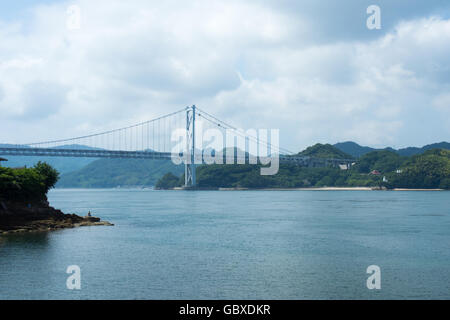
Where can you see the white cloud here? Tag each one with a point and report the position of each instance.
(249, 63)
(442, 102)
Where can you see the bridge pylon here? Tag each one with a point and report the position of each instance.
(189, 164)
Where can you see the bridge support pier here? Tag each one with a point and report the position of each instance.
(189, 164)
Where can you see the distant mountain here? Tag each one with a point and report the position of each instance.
(325, 151)
(110, 173)
(353, 149)
(63, 165)
(412, 150)
(357, 151)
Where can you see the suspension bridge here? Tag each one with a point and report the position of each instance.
(154, 139)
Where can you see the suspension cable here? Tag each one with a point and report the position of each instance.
(106, 132)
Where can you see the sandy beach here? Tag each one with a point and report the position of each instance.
(328, 189)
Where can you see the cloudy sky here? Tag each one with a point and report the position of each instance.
(311, 68)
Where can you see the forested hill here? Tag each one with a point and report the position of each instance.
(430, 170)
(325, 151)
(111, 173)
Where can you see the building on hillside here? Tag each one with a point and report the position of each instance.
(375, 173)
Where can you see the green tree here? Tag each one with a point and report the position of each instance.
(49, 174)
(383, 161)
(428, 170)
(168, 181)
(27, 184)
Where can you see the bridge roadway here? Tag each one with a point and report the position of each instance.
(304, 161)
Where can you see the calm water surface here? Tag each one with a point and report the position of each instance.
(237, 245)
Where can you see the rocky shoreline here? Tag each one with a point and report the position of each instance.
(18, 217)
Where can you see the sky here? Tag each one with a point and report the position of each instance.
(309, 68)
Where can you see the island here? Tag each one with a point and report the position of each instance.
(24, 206)
(375, 170)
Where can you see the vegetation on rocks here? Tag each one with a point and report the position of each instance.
(24, 206)
(27, 184)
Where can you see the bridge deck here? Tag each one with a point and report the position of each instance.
(100, 153)
(88, 153)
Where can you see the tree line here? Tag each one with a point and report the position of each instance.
(384, 168)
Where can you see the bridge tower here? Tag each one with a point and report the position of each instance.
(189, 164)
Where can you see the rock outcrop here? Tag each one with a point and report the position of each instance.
(19, 217)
